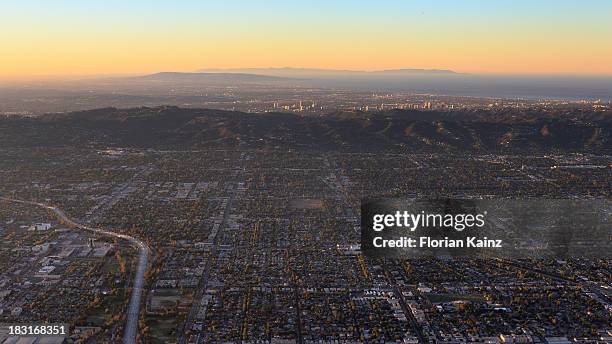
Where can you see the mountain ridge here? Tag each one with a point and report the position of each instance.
(169, 127)
(321, 72)
(202, 76)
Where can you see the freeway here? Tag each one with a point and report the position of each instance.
(131, 325)
(418, 331)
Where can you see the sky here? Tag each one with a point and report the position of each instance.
(78, 38)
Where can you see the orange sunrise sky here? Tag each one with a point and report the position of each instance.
(42, 39)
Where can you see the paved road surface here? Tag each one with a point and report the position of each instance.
(131, 325)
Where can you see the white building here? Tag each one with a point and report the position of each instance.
(40, 227)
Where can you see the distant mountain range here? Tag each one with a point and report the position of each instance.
(392, 131)
(289, 72)
(431, 81)
(206, 77)
(285, 74)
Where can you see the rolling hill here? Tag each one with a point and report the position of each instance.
(398, 130)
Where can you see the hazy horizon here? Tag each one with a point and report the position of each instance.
(10, 80)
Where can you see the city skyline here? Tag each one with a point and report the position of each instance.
(74, 39)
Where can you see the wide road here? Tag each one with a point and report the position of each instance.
(203, 283)
(131, 325)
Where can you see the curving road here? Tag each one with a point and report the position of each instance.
(131, 325)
